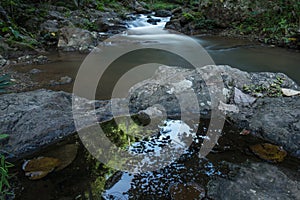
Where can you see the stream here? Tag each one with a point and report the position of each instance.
(187, 176)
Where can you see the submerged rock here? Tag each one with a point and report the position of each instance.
(186, 191)
(269, 152)
(29, 59)
(255, 181)
(35, 71)
(63, 80)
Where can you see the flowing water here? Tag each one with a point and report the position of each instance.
(242, 54)
(187, 175)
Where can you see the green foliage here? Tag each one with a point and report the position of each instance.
(273, 90)
(3, 136)
(188, 16)
(277, 22)
(4, 175)
(161, 5)
(206, 23)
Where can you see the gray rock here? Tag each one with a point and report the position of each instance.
(38, 118)
(40, 60)
(71, 39)
(35, 119)
(163, 13)
(49, 26)
(29, 59)
(25, 59)
(255, 181)
(153, 21)
(56, 15)
(35, 71)
(63, 80)
(275, 119)
(242, 98)
(139, 8)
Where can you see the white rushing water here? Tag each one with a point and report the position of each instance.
(141, 21)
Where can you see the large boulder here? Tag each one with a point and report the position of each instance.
(38, 118)
(276, 120)
(255, 181)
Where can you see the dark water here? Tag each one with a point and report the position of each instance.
(86, 178)
(251, 56)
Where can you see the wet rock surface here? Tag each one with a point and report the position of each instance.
(275, 119)
(163, 13)
(255, 181)
(34, 119)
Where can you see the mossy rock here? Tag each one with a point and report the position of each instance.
(269, 152)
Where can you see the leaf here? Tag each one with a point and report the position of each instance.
(289, 92)
(40, 164)
(269, 152)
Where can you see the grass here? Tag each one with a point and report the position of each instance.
(4, 174)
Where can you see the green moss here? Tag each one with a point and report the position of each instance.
(273, 90)
(161, 5)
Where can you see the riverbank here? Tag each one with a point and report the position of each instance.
(274, 23)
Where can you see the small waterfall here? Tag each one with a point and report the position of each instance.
(141, 21)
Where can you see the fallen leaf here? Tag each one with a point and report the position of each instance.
(39, 167)
(269, 152)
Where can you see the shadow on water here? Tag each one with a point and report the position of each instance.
(86, 178)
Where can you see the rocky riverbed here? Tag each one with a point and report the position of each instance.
(33, 119)
(38, 118)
